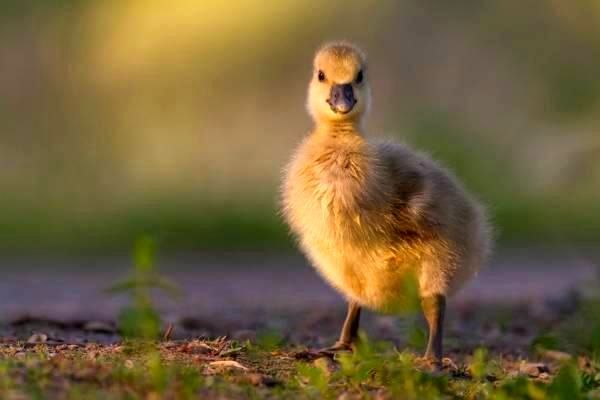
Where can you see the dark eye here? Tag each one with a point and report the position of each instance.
(321, 76)
(359, 77)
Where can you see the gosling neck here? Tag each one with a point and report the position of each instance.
(341, 128)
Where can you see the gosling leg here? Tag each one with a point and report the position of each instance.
(349, 332)
(434, 308)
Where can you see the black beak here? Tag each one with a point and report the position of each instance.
(341, 99)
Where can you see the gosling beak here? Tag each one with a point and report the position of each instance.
(341, 99)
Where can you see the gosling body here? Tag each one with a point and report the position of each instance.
(371, 215)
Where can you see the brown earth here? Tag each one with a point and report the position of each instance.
(240, 295)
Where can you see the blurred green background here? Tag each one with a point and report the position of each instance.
(175, 118)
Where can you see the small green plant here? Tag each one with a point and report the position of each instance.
(479, 365)
(314, 380)
(417, 336)
(269, 340)
(567, 384)
(159, 373)
(410, 302)
(546, 341)
(364, 361)
(378, 364)
(140, 320)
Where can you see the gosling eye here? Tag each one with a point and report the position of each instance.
(321, 76)
(359, 77)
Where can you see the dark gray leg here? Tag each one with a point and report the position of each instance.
(349, 332)
(434, 308)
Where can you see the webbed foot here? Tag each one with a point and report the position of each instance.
(337, 348)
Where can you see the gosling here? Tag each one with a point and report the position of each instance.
(369, 216)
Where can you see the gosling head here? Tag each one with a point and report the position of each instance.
(339, 89)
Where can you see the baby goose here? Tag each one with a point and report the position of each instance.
(369, 215)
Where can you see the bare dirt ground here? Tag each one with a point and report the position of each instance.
(247, 325)
(241, 294)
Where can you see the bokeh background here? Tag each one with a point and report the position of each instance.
(174, 118)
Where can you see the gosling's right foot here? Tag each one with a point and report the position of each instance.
(337, 348)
